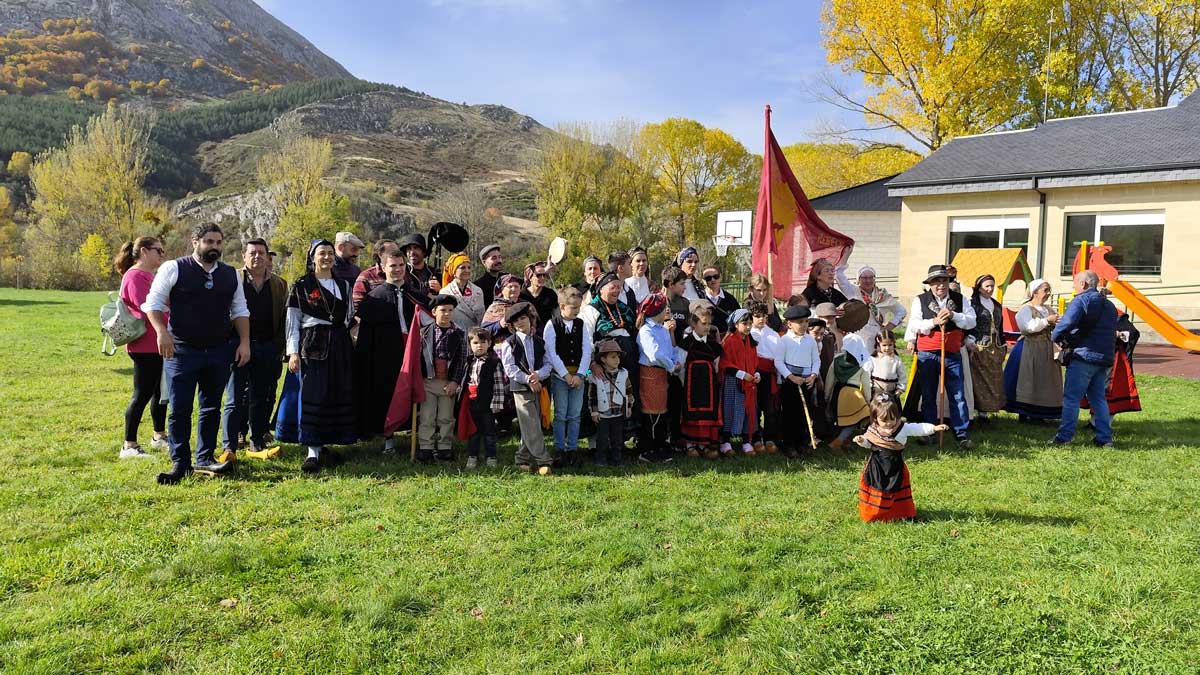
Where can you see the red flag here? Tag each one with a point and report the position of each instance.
(788, 233)
(410, 385)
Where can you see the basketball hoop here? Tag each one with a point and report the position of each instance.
(722, 244)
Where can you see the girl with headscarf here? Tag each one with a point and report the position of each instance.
(320, 312)
(639, 281)
(508, 292)
(987, 347)
(1033, 380)
(739, 387)
(456, 281)
(688, 260)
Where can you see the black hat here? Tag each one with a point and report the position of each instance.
(937, 272)
(797, 313)
(517, 311)
(414, 239)
(606, 279)
(814, 322)
(442, 299)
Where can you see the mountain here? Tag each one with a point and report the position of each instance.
(202, 47)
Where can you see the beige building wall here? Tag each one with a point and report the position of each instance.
(876, 237)
(925, 225)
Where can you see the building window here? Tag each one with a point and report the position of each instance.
(989, 232)
(1136, 239)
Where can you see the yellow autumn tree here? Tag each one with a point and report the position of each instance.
(699, 171)
(91, 185)
(935, 70)
(19, 164)
(822, 168)
(1151, 48)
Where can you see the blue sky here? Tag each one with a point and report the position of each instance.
(590, 60)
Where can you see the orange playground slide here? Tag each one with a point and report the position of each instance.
(1154, 316)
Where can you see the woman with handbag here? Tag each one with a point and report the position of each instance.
(136, 262)
(320, 311)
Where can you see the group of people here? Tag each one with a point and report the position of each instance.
(673, 362)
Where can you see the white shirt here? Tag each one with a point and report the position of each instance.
(798, 351)
(551, 339)
(640, 287)
(510, 362)
(159, 297)
(1032, 319)
(918, 325)
(913, 429)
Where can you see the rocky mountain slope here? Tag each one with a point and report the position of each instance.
(203, 47)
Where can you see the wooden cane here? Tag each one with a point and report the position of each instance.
(812, 439)
(412, 445)
(942, 389)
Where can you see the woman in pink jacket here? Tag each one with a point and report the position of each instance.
(137, 262)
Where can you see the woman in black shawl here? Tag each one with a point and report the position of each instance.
(320, 310)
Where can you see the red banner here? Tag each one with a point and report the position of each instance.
(410, 385)
(788, 233)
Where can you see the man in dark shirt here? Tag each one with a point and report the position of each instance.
(493, 268)
(413, 247)
(345, 262)
(250, 393)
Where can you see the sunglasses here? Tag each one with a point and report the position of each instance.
(542, 275)
(711, 277)
(156, 249)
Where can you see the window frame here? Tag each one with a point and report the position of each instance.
(1113, 219)
(1000, 223)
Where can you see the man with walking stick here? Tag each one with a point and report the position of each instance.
(939, 318)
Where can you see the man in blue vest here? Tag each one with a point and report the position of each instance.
(202, 296)
(1088, 330)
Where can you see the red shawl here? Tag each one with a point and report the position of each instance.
(741, 354)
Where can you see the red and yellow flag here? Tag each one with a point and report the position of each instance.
(788, 234)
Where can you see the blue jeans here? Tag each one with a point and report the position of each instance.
(1085, 379)
(567, 404)
(929, 367)
(192, 368)
(250, 395)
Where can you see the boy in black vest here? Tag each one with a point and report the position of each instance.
(569, 350)
(444, 360)
(939, 315)
(203, 296)
(527, 367)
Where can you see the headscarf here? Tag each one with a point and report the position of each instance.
(979, 282)
(653, 305)
(529, 269)
(606, 279)
(452, 264)
(866, 268)
(684, 254)
(1034, 286)
(591, 258)
(855, 346)
(309, 264)
(504, 281)
(737, 315)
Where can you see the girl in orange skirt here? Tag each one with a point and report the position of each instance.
(884, 491)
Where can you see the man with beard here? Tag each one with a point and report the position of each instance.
(347, 246)
(204, 297)
(493, 268)
(422, 275)
(385, 317)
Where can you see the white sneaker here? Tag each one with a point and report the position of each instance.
(747, 449)
(135, 451)
(472, 462)
(160, 443)
(726, 448)
(491, 463)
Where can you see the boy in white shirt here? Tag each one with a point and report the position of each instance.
(767, 436)
(798, 362)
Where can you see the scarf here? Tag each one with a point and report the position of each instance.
(456, 261)
(496, 311)
(612, 317)
(884, 437)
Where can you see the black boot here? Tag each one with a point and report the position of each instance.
(425, 456)
(177, 473)
(212, 468)
(311, 464)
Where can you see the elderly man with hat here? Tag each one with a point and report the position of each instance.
(492, 261)
(938, 319)
(346, 247)
(414, 248)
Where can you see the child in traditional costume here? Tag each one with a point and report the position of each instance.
(798, 362)
(739, 389)
(611, 401)
(569, 350)
(767, 436)
(527, 368)
(483, 399)
(701, 419)
(847, 383)
(884, 490)
(656, 365)
(888, 374)
(444, 367)
(830, 340)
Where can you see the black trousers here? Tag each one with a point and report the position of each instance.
(654, 436)
(795, 428)
(768, 408)
(147, 383)
(485, 429)
(610, 438)
(675, 409)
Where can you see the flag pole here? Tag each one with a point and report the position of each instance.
(771, 230)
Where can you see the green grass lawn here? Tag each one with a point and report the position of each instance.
(1024, 559)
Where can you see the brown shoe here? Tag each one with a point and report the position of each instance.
(836, 444)
(771, 448)
(693, 452)
(711, 453)
(759, 448)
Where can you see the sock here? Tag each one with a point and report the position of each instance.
(389, 443)
(314, 452)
